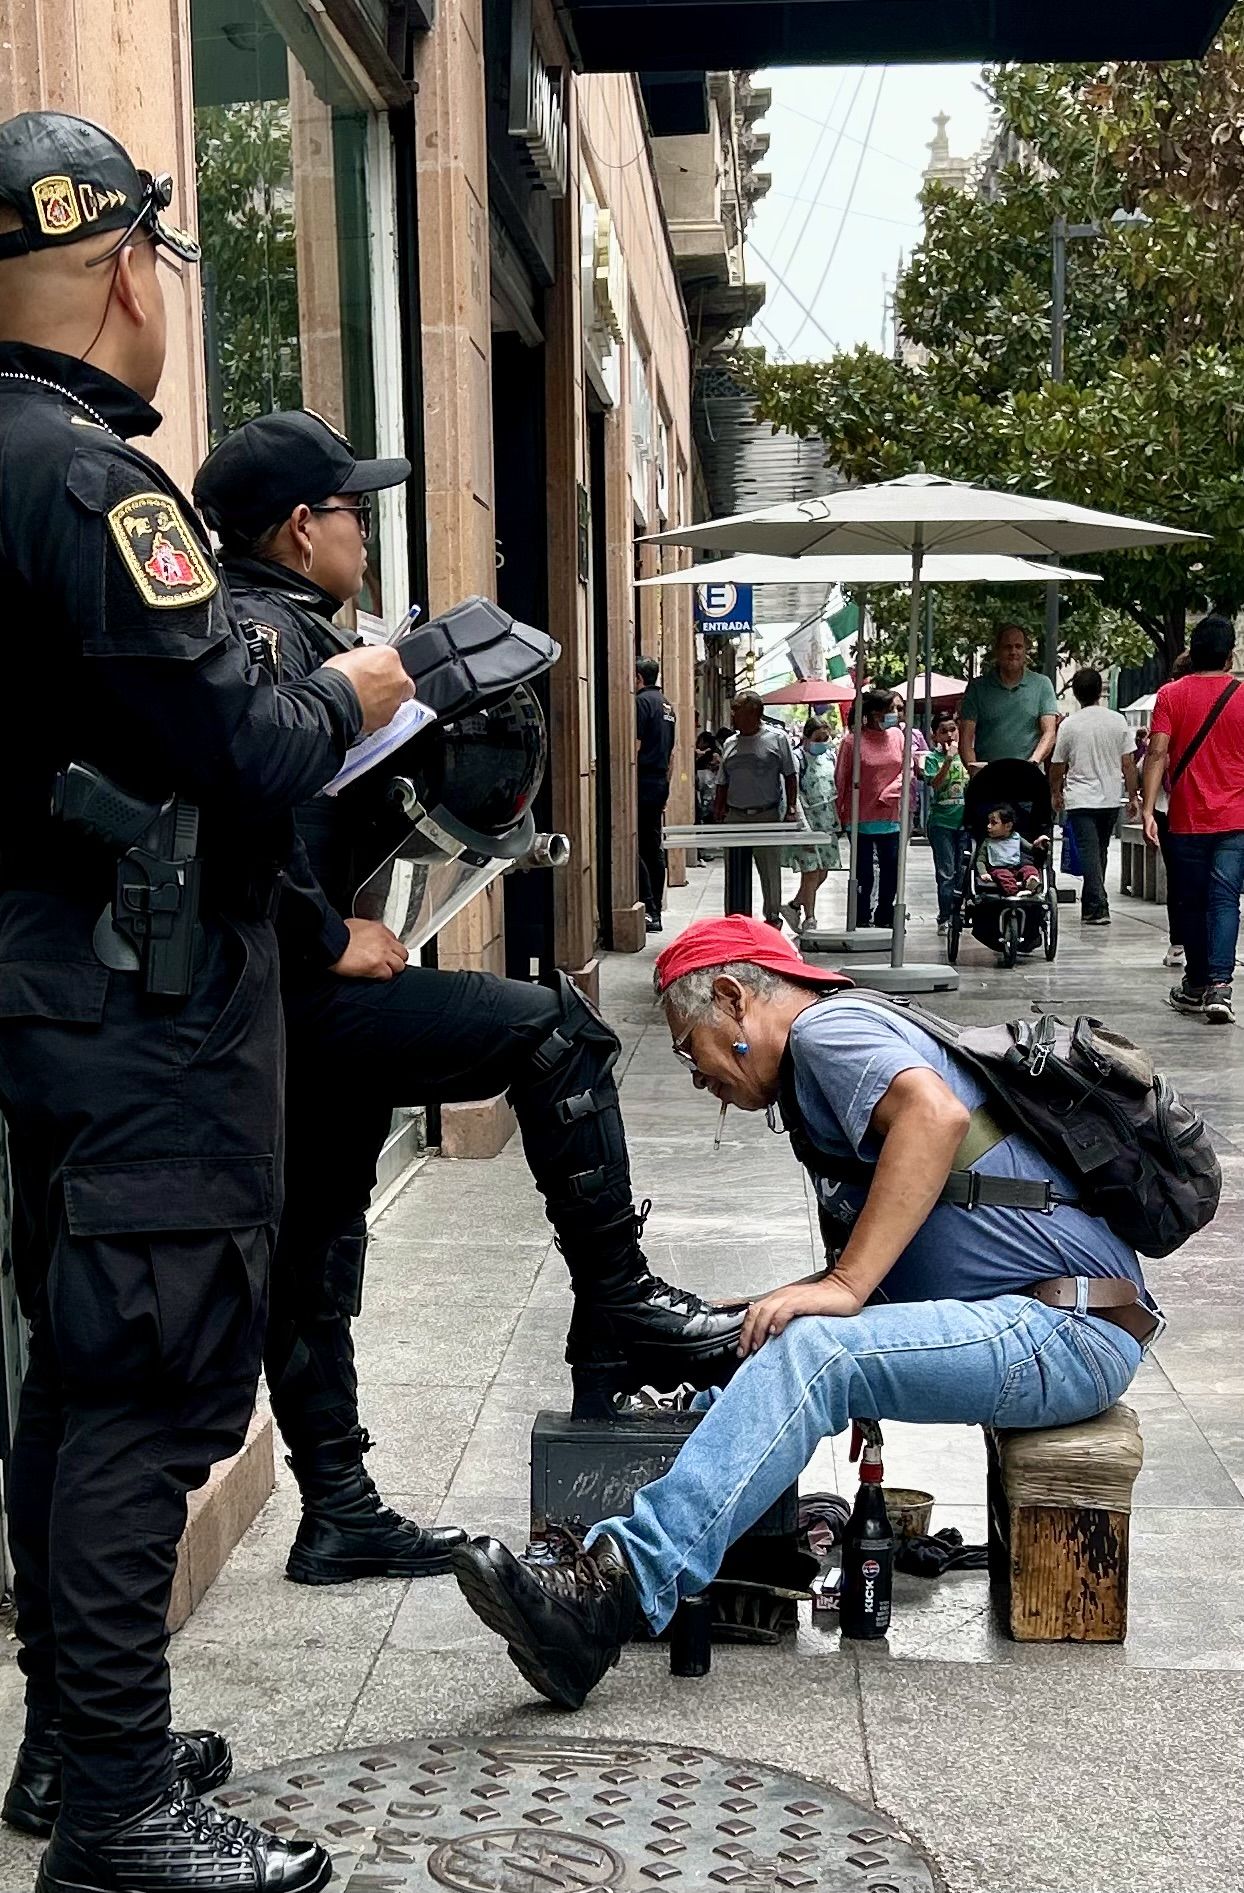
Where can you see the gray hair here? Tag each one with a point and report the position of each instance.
(691, 997)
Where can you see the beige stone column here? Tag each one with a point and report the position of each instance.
(457, 348)
(126, 64)
(570, 686)
(629, 931)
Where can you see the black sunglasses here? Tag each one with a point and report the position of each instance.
(362, 512)
(157, 196)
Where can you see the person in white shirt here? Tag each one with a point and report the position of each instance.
(1093, 759)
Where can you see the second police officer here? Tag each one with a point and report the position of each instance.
(367, 1032)
(147, 771)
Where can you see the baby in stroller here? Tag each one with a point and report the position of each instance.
(1005, 859)
(1006, 897)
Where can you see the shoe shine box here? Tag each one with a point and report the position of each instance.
(586, 1470)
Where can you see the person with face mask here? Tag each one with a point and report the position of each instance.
(881, 789)
(818, 810)
(145, 810)
(290, 501)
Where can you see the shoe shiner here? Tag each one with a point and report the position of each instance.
(989, 1316)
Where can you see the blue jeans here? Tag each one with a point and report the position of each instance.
(1007, 1362)
(1208, 875)
(946, 844)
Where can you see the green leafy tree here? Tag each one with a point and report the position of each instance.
(246, 219)
(1148, 419)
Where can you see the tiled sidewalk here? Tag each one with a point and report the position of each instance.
(1086, 1770)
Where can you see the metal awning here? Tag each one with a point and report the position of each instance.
(672, 35)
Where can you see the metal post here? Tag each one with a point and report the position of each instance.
(928, 664)
(904, 823)
(857, 720)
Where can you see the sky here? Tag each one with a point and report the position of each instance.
(847, 147)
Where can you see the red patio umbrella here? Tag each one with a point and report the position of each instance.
(813, 690)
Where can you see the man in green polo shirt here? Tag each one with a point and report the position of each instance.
(1009, 710)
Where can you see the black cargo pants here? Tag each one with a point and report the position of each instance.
(359, 1048)
(146, 1158)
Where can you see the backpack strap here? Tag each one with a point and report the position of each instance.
(1212, 715)
(965, 1188)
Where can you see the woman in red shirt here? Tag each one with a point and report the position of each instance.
(1198, 732)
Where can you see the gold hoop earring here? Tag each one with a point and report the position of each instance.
(308, 560)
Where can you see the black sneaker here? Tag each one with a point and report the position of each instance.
(1187, 999)
(565, 1619)
(655, 924)
(179, 1845)
(202, 1758)
(1218, 1007)
(1096, 920)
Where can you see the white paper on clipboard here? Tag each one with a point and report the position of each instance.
(371, 750)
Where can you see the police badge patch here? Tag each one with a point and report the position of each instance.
(160, 552)
(56, 206)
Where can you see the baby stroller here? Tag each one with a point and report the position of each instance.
(1010, 924)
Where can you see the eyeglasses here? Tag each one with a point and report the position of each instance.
(685, 1058)
(361, 512)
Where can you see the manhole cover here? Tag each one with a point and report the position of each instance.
(499, 1816)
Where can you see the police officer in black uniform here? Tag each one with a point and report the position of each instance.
(288, 498)
(147, 767)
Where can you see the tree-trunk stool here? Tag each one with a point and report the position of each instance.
(1060, 1505)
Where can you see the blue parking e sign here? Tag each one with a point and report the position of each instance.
(723, 610)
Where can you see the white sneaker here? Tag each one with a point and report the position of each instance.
(943, 926)
(1174, 956)
(809, 924)
(790, 914)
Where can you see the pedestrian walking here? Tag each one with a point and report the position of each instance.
(1197, 733)
(946, 777)
(656, 727)
(144, 815)
(1008, 711)
(818, 810)
(1093, 761)
(1174, 954)
(881, 791)
(757, 785)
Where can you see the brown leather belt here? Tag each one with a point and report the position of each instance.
(1110, 1297)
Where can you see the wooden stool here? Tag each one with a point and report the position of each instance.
(1060, 1503)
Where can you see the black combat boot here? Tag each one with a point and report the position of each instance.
(202, 1758)
(176, 1845)
(565, 1619)
(347, 1531)
(630, 1329)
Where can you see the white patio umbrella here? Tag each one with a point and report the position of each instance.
(870, 568)
(917, 515)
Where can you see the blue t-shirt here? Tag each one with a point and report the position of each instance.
(846, 1054)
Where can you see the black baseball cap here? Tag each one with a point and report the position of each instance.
(266, 467)
(68, 179)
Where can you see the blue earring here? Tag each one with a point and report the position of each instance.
(740, 1046)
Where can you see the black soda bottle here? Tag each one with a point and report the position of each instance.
(867, 1557)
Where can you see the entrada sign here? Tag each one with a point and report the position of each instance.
(723, 610)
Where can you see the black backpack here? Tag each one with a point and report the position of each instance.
(1089, 1100)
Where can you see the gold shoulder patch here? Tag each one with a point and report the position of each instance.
(160, 552)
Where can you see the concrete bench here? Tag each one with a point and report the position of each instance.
(1142, 871)
(1060, 1503)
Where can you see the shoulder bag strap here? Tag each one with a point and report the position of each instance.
(1212, 715)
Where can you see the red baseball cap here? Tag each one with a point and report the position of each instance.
(738, 937)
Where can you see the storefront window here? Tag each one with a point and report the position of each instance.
(282, 171)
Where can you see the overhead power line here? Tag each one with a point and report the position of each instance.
(846, 212)
(812, 158)
(783, 284)
(803, 228)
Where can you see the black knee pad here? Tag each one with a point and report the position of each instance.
(567, 1106)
